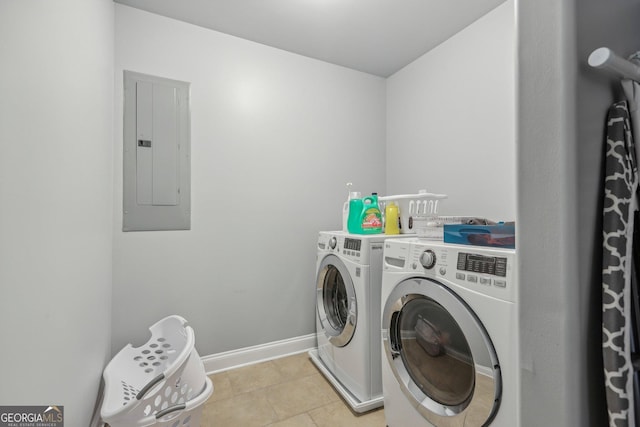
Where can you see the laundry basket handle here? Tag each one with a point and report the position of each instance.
(170, 409)
(148, 387)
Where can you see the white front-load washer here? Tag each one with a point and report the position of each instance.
(450, 335)
(348, 285)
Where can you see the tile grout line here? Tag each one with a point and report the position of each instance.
(283, 375)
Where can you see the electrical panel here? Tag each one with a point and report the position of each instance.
(157, 169)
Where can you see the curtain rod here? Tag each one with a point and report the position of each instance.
(605, 58)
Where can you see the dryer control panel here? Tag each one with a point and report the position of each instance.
(356, 248)
(352, 244)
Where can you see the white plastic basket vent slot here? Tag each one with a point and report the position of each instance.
(128, 392)
(186, 414)
(155, 357)
(153, 378)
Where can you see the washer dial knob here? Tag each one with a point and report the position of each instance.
(428, 259)
(333, 242)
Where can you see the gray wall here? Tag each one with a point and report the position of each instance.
(451, 120)
(274, 139)
(275, 136)
(56, 134)
(547, 232)
(562, 109)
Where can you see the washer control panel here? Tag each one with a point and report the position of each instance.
(496, 266)
(487, 270)
(428, 259)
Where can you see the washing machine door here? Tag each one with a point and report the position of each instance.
(336, 301)
(441, 354)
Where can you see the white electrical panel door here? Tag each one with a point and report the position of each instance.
(156, 153)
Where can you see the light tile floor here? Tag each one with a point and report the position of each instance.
(286, 392)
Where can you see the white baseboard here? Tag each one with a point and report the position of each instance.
(260, 353)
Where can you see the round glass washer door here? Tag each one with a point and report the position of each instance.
(440, 354)
(336, 301)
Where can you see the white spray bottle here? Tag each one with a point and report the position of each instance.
(345, 207)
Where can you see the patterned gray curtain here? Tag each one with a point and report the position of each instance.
(620, 205)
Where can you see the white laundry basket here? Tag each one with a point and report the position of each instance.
(186, 414)
(412, 205)
(146, 384)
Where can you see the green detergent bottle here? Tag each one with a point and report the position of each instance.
(364, 216)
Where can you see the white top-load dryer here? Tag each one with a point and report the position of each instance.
(450, 335)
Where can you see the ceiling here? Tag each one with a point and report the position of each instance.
(375, 36)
